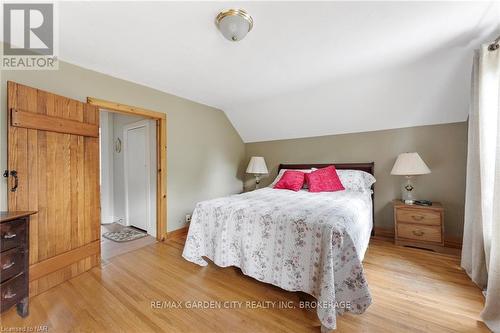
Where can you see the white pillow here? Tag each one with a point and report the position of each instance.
(356, 180)
(282, 171)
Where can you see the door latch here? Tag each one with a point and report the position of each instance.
(12, 173)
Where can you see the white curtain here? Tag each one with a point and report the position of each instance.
(481, 243)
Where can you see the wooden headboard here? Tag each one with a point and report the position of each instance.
(366, 167)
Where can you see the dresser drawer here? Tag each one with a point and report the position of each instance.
(11, 263)
(12, 234)
(419, 232)
(12, 291)
(418, 216)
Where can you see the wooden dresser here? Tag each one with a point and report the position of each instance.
(419, 226)
(14, 261)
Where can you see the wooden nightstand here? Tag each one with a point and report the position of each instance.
(419, 226)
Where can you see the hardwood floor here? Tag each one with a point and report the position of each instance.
(413, 291)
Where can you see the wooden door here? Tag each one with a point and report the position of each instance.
(53, 145)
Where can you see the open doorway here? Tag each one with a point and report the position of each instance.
(128, 177)
(160, 120)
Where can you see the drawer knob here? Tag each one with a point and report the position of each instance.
(9, 294)
(9, 236)
(7, 266)
(417, 217)
(418, 232)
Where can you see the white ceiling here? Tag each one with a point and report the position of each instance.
(306, 68)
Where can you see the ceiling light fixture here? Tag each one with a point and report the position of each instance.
(234, 24)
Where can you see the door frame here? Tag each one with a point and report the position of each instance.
(126, 128)
(161, 154)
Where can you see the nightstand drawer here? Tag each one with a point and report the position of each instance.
(419, 232)
(12, 291)
(12, 234)
(11, 263)
(418, 216)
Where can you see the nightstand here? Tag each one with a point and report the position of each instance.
(419, 226)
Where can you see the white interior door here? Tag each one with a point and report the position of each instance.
(136, 158)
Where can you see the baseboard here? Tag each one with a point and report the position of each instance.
(113, 219)
(454, 243)
(179, 234)
(107, 219)
(385, 233)
(380, 233)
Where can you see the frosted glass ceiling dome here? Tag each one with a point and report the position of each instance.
(234, 24)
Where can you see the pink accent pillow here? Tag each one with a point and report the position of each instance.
(291, 180)
(324, 180)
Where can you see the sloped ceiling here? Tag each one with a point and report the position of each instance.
(306, 69)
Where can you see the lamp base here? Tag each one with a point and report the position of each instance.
(408, 191)
(257, 181)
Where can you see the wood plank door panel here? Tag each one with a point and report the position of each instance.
(58, 177)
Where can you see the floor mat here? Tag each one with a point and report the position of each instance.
(124, 235)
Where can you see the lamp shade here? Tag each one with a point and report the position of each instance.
(409, 164)
(257, 165)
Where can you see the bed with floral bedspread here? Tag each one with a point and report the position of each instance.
(298, 241)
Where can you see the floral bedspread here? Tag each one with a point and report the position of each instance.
(299, 241)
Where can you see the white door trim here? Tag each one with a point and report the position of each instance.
(126, 128)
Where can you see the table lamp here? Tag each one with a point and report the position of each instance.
(257, 166)
(409, 165)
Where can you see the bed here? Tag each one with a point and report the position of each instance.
(298, 241)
